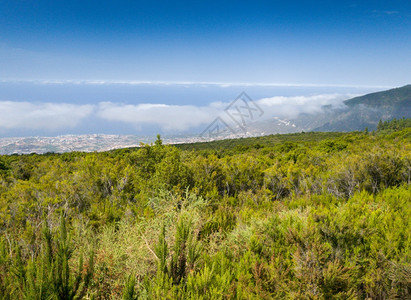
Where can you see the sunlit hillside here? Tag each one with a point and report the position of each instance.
(310, 215)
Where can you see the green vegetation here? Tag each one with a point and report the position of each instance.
(398, 96)
(394, 125)
(244, 144)
(300, 216)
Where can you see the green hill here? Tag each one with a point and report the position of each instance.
(299, 216)
(368, 110)
(398, 96)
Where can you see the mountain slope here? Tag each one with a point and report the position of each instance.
(366, 111)
(355, 114)
(398, 96)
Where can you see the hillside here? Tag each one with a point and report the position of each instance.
(309, 215)
(355, 114)
(366, 111)
(395, 97)
(243, 144)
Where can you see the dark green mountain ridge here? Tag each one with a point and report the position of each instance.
(397, 96)
(366, 111)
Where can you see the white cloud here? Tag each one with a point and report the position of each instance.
(391, 12)
(168, 117)
(184, 117)
(49, 116)
(54, 116)
(290, 107)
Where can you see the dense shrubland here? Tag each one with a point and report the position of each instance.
(306, 216)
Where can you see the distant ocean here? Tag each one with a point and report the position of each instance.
(172, 94)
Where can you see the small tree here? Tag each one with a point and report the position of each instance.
(67, 287)
(48, 275)
(380, 125)
(158, 142)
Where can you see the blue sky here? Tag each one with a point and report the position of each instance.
(333, 42)
(50, 47)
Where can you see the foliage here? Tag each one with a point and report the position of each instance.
(394, 124)
(313, 215)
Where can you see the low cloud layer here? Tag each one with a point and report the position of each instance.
(181, 118)
(170, 118)
(48, 116)
(291, 107)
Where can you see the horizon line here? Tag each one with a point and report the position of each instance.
(184, 83)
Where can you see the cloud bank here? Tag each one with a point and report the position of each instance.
(170, 118)
(291, 107)
(48, 116)
(184, 117)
